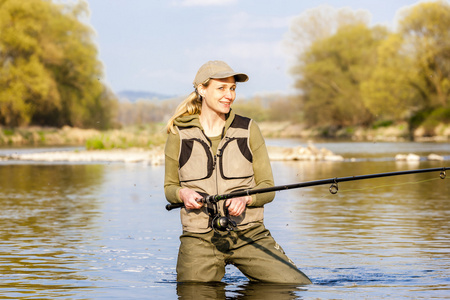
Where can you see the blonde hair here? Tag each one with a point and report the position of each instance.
(190, 106)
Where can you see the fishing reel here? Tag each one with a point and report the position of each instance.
(221, 223)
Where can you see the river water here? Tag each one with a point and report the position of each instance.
(100, 231)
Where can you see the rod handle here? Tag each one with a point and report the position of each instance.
(174, 205)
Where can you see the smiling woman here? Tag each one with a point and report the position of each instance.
(218, 97)
(210, 150)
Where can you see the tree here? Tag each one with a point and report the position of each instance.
(49, 71)
(331, 73)
(310, 27)
(412, 75)
(388, 93)
(426, 30)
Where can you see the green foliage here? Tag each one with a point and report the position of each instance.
(438, 116)
(332, 73)
(142, 136)
(8, 132)
(360, 75)
(382, 123)
(49, 72)
(388, 92)
(412, 75)
(95, 144)
(425, 28)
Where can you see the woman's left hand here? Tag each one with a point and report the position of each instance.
(236, 206)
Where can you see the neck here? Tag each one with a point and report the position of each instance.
(212, 124)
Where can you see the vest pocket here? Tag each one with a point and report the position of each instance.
(195, 220)
(195, 161)
(235, 159)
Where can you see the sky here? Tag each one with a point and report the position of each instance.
(158, 45)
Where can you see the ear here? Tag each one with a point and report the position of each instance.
(201, 89)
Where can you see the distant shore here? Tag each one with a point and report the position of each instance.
(394, 133)
(150, 135)
(155, 156)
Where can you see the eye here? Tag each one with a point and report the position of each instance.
(233, 88)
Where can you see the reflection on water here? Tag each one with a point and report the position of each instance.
(46, 213)
(100, 231)
(247, 290)
(391, 233)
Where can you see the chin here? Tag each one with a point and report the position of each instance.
(227, 111)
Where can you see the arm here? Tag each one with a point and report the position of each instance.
(261, 167)
(171, 180)
(172, 188)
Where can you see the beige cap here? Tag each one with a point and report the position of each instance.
(217, 69)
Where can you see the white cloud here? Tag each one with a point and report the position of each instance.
(206, 2)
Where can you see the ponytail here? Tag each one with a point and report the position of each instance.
(190, 106)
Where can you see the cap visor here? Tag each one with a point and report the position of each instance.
(239, 77)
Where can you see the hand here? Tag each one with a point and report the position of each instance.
(236, 206)
(189, 198)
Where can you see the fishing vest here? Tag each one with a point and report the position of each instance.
(208, 173)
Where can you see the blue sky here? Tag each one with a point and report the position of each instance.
(158, 45)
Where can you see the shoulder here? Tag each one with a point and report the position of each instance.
(256, 137)
(241, 122)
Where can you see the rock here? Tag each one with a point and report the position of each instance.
(435, 157)
(155, 157)
(310, 153)
(400, 157)
(412, 157)
(152, 157)
(408, 157)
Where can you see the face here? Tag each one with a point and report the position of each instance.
(219, 95)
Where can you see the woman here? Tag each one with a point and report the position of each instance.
(209, 151)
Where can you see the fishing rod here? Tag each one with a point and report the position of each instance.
(333, 188)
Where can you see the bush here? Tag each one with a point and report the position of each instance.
(95, 144)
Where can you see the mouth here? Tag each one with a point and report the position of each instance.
(225, 103)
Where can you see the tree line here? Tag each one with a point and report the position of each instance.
(347, 73)
(352, 74)
(49, 71)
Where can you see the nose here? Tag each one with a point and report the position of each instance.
(229, 94)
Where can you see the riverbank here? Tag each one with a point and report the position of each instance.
(393, 133)
(150, 135)
(138, 136)
(155, 156)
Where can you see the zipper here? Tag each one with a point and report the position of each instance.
(220, 155)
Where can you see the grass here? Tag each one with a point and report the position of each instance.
(143, 136)
(150, 135)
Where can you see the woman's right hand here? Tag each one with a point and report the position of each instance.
(189, 198)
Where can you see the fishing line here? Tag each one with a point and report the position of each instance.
(326, 195)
